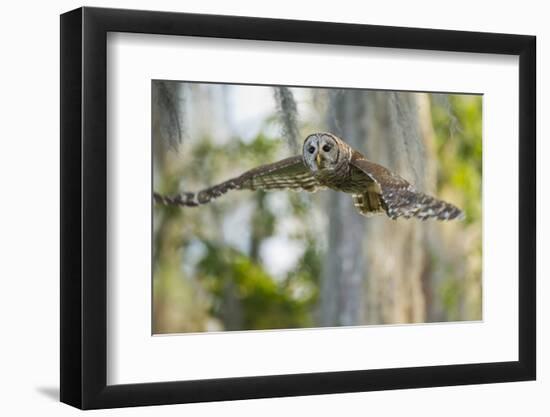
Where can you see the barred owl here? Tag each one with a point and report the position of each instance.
(328, 162)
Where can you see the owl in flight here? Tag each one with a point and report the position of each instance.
(328, 162)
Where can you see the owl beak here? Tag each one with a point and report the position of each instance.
(318, 160)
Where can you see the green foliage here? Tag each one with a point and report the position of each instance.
(457, 123)
(264, 302)
(241, 293)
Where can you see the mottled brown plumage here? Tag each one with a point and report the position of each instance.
(328, 162)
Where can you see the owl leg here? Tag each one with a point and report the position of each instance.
(367, 204)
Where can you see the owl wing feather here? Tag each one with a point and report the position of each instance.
(396, 196)
(288, 173)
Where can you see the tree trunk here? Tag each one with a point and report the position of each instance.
(342, 295)
(176, 307)
(396, 249)
(375, 270)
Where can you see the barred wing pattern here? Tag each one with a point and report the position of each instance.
(394, 195)
(289, 173)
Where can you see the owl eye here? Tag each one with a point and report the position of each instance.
(311, 149)
(327, 148)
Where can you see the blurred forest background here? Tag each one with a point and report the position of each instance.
(257, 260)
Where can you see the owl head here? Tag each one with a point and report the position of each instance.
(324, 151)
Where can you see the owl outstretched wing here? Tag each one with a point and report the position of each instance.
(389, 192)
(289, 173)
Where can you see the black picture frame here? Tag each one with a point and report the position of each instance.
(84, 207)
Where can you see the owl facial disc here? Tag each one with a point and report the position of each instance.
(321, 152)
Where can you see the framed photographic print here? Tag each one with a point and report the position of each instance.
(257, 208)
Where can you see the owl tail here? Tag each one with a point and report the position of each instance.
(438, 209)
(423, 206)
